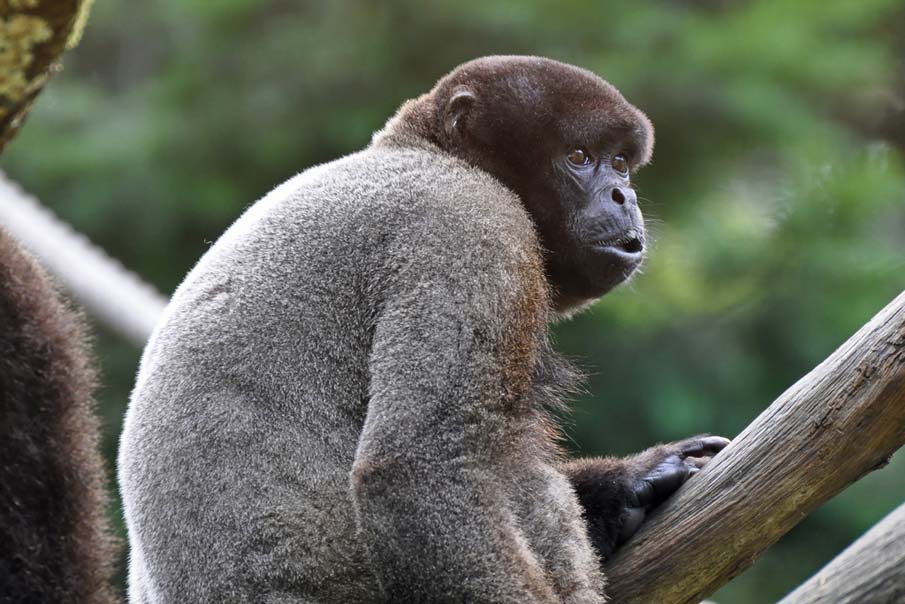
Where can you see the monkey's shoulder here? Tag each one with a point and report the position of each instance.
(420, 184)
(420, 204)
(440, 215)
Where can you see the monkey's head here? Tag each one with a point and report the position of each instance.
(565, 141)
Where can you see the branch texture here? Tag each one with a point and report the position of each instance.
(836, 424)
(870, 571)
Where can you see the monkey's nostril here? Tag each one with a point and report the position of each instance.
(618, 196)
(634, 246)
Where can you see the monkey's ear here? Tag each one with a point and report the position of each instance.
(457, 108)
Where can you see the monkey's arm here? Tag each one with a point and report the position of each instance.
(618, 493)
(444, 372)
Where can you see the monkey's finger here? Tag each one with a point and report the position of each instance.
(632, 519)
(696, 463)
(655, 487)
(702, 446)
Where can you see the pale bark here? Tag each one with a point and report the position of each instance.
(839, 422)
(112, 294)
(870, 571)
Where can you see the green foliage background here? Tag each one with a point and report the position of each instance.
(776, 195)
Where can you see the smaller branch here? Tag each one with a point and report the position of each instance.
(870, 571)
(116, 297)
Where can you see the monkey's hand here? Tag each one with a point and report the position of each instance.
(660, 472)
(618, 494)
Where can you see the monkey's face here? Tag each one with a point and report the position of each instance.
(595, 237)
(565, 141)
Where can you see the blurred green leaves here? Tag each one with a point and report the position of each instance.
(776, 196)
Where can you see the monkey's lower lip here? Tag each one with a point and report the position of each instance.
(626, 244)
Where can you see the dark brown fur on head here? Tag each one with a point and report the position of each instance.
(55, 544)
(573, 101)
(518, 118)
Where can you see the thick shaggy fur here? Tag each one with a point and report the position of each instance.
(347, 398)
(337, 405)
(54, 539)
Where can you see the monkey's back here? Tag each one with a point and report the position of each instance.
(251, 396)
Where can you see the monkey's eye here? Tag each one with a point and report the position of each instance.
(579, 157)
(620, 164)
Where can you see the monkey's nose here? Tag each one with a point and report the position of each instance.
(622, 196)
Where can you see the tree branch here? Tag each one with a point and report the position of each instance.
(109, 292)
(839, 422)
(870, 571)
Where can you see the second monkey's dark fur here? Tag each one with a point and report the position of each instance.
(55, 544)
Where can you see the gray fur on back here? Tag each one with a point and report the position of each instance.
(354, 319)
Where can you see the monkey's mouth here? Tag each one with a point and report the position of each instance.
(629, 242)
